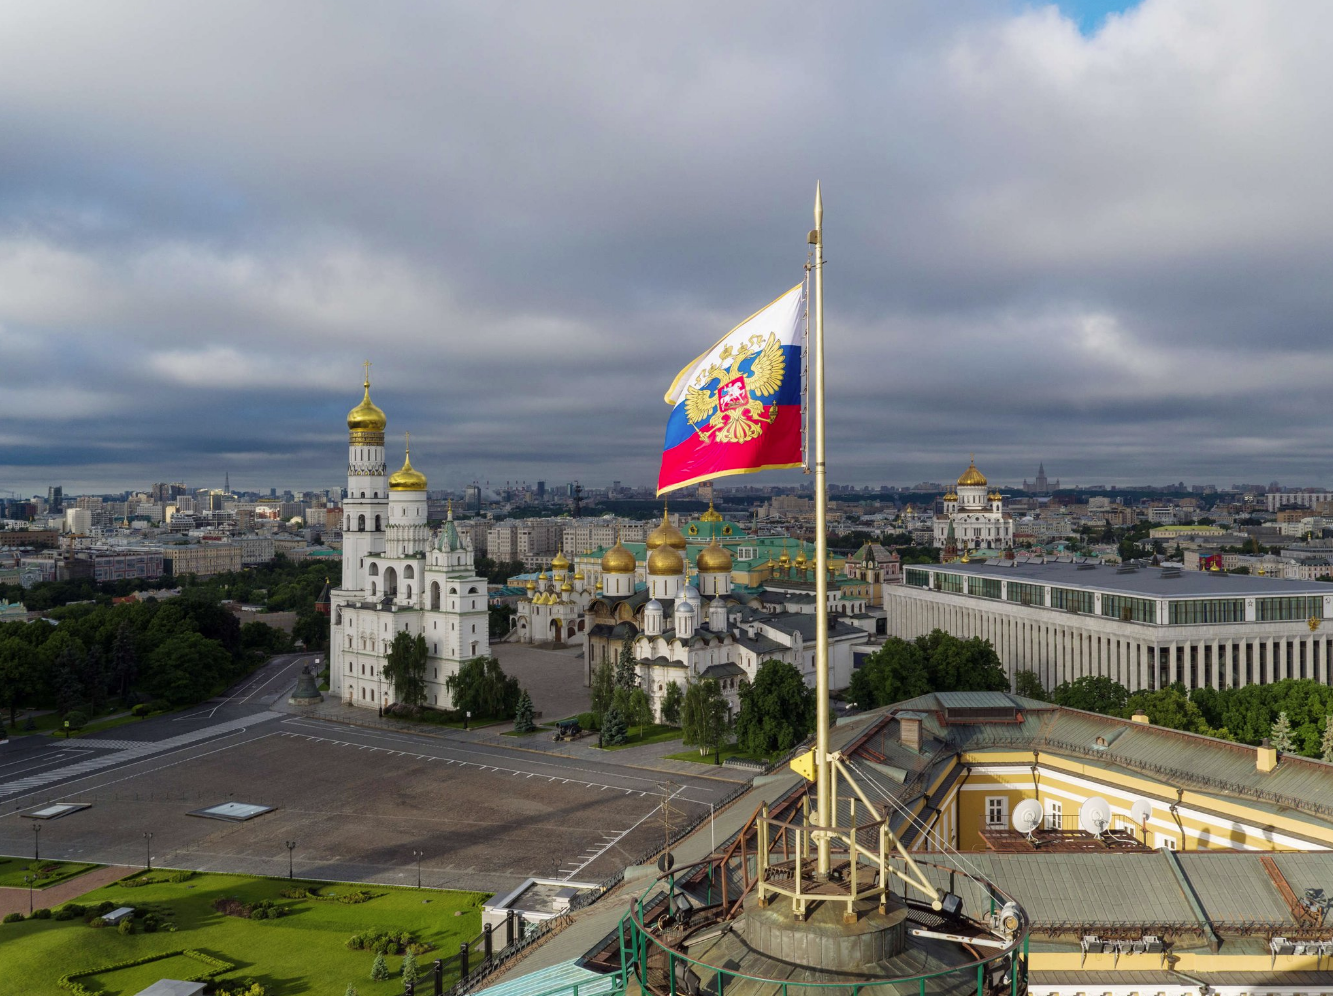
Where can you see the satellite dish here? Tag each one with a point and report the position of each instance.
(1094, 816)
(1140, 811)
(1027, 816)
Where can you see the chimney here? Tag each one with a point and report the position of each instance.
(1141, 717)
(1266, 756)
(909, 731)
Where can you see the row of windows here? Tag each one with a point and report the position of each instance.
(1026, 594)
(1073, 599)
(985, 587)
(1274, 609)
(1127, 609)
(1207, 610)
(916, 577)
(949, 582)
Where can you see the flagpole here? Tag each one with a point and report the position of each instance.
(823, 788)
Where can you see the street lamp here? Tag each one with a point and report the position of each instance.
(36, 829)
(29, 879)
(418, 855)
(148, 850)
(291, 846)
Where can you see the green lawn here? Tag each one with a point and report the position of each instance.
(654, 733)
(12, 871)
(731, 750)
(301, 952)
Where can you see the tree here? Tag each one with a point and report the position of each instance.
(186, 668)
(18, 674)
(1028, 684)
(405, 667)
(955, 665)
(312, 629)
(640, 710)
(481, 687)
(777, 711)
(894, 672)
(671, 700)
(1280, 736)
(124, 659)
(379, 971)
(614, 731)
(603, 689)
(523, 714)
(351, 990)
(1169, 707)
(410, 973)
(627, 671)
(705, 716)
(68, 679)
(95, 678)
(1092, 693)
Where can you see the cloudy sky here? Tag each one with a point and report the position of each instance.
(1093, 234)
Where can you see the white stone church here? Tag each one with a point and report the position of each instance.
(397, 576)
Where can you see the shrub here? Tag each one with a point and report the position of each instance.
(380, 941)
(13, 918)
(351, 990)
(297, 893)
(140, 710)
(42, 914)
(97, 921)
(420, 947)
(151, 922)
(181, 876)
(228, 906)
(159, 705)
(75, 720)
(104, 907)
(126, 926)
(378, 970)
(590, 721)
(65, 913)
(352, 898)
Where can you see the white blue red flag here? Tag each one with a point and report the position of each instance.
(737, 408)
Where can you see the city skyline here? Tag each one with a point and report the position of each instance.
(1033, 253)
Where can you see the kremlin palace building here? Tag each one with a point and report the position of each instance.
(398, 576)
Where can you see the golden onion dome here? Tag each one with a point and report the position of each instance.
(566, 587)
(972, 477)
(531, 584)
(665, 535)
(666, 561)
(599, 584)
(618, 560)
(951, 497)
(714, 559)
(786, 557)
(561, 562)
(408, 478)
(800, 554)
(712, 515)
(541, 576)
(367, 416)
(578, 575)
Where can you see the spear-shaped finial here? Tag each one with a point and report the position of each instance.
(819, 207)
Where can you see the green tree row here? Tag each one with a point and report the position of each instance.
(937, 662)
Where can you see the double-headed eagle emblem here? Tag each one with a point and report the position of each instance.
(725, 404)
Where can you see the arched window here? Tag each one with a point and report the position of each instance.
(338, 618)
(363, 494)
(472, 590)
(377, 523)
(453, 590)
(409, 592)
(374, 570)
(361, 523)
(390, 581)
(435, 595)
(372, 587)
(348, 526)
(408, 572)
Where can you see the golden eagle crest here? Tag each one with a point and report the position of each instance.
(724, 404)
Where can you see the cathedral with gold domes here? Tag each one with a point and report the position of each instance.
(974, 517)
(398, 575)
(688, 620)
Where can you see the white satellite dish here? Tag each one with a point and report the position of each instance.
(1140, 811)
(1027, 816)
(1094, 816)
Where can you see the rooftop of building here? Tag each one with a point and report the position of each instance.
(1145, 581)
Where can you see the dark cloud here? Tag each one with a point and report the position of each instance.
(1098, 241)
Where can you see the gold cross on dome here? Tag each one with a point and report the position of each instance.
(366, 364)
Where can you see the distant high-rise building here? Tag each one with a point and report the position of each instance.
(1041, 486)
(472, 497)
(55, 498)
(541, 489)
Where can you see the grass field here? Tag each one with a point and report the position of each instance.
(12, 871)
(303, 951)
(731, 750)
(654, 733)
